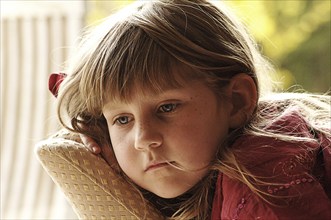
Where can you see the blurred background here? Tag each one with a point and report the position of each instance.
(38, 37)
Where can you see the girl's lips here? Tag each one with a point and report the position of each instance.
(155, 165)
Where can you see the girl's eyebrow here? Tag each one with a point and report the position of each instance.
(111, 106)
(178, 92)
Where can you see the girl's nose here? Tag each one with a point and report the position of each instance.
(147, 136)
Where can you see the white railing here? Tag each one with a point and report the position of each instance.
(36, 39)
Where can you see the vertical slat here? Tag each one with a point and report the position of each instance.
(4, 112)
(5, 171)
(24, 124)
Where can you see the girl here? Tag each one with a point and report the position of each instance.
(176, 90)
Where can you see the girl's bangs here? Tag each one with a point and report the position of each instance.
(145, 67)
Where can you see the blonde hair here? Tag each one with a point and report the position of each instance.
(142, 46)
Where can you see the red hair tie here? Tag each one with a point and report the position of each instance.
(55, 81)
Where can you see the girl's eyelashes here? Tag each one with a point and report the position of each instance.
(167, 108)
(122, 120)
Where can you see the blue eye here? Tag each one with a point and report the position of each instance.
(167, 108)
(122, 120)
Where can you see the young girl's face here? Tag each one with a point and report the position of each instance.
(165, 141)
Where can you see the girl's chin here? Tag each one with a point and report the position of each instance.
(166, 195)
(170, 193)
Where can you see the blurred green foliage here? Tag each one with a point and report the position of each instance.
(293, 34)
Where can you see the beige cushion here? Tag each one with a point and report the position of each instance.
(93, 187)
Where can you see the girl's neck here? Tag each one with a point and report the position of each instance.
(167, 206)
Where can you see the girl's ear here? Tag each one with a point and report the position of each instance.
(243, 96)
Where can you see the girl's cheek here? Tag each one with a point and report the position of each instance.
(120, 145)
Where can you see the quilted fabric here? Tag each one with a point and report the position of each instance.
(94, 189)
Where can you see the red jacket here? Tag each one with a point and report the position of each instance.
(300, 171)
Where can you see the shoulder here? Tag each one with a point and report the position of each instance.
(291, 172)
(288, 139)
